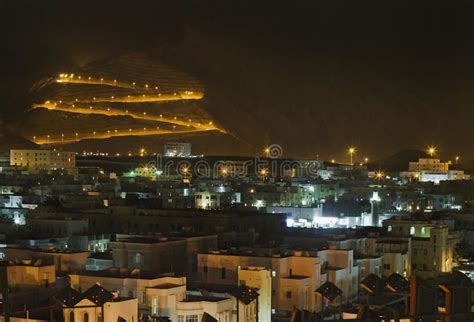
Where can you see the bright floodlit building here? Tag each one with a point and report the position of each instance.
(37, 160)
(428, 164)
(178, 149)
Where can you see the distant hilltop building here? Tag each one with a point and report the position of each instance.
(38, 160)
(432, 170)
(428, 164)
(177, 149)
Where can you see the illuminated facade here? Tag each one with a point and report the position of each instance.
(177, 149)
(37, 160)
(428, 164)
(431, 245)
(261, 279)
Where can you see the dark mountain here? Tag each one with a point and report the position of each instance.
(312, 76)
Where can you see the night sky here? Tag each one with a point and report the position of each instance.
(313, 76)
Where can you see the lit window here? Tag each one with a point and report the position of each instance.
(138, 258)
(412, 230)
(389, 228)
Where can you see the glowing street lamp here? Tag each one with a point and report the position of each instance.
(62, 137)
(379, 175)
(48, 136)
(366, 160)
(457, 159)
(431, 150)
(77, 134)
(352, 151)
(267, 152)
(224, 171)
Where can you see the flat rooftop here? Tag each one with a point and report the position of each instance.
(296, 277)
(122, 273)
(197, 298)
(167, 286)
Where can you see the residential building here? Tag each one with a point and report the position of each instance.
(95, 305)
(428, 164)
(36, 160)
(158, 253)
(259, 278)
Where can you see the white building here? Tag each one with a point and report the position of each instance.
(96, 305)
(295, 276)
(428, 164)
(197, 303)
(261, 279)
(207, 200)
(36, 160)
(177, 149)
(156, 295)
(432, 170)
(166, 296)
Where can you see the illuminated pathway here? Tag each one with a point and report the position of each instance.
(117, 112)
(49, 139)
(73, 101)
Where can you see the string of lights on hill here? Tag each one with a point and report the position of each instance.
(152, 99)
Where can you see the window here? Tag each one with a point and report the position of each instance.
(288, 294)
(138, 258)
(71, 316)
(192, 318)
(180, 318)
(413, 266)
(386, 266)
(223, 273)
(389, 228)
(85, 317)
(154, 308)
(423, 230)
(412, 230)
(205, 269)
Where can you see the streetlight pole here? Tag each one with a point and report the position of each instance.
(351, 152)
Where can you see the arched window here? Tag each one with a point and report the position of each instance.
(71, 316)
(86, 317)
(389, 228)
(412, 230)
